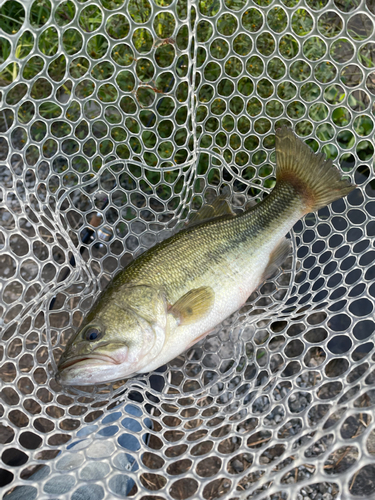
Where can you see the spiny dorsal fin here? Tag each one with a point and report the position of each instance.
(217, 208)
(277, 257)
(193, 306)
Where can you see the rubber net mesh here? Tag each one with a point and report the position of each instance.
(118, 120)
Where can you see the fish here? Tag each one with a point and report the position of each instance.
(176, 292)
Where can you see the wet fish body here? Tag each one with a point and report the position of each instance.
(179, 290)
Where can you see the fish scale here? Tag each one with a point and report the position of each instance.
(192, 250)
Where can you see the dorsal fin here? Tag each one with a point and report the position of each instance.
(217, 208)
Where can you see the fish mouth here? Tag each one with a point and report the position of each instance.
(89, 359)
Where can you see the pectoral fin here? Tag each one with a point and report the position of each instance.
(193, 306)
(277, 257)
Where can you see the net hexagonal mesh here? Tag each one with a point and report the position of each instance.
(121, 118)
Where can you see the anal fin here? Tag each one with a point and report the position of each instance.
(277, 257)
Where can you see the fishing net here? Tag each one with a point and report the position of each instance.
(118, 120)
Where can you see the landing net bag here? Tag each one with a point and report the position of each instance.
(119, 119)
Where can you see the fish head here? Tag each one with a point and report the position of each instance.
(117, 341)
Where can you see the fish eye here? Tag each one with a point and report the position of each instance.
(92, 333)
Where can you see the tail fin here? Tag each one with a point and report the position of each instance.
(314, 177)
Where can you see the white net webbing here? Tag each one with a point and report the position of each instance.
(118, 119)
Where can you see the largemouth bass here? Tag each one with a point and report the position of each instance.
(175, 293)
